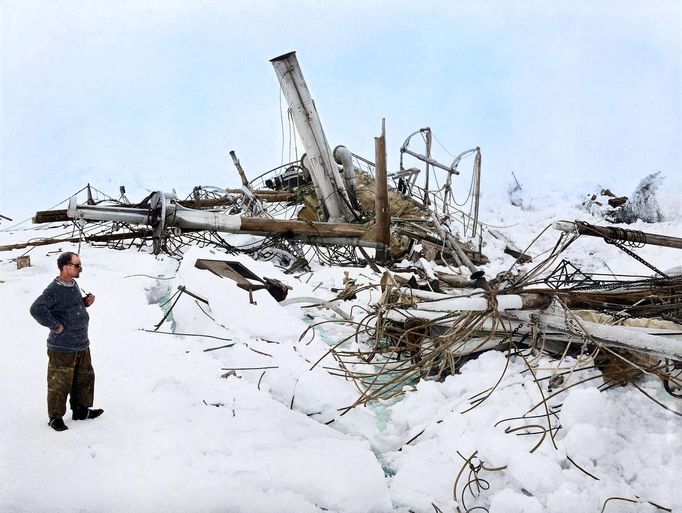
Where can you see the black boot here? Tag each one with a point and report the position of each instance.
(83, 413)
(57, 423)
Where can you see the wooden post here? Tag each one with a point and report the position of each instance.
(142, 234)
(240, 170)
(619, 234)
(90, 200)
(56, 216)
(382, 213)
(427, 200)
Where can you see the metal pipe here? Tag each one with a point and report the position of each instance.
(434, 163)
(120, 214)
(343, 156)
(324, 172)
(425, 158)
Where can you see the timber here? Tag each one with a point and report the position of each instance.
(620, 234)
(261, 226)
(92, 238)
(613, 336)
(446, 304)
(240, 170)
(265, 195)
(57, 216)
(382, 212)
(173, 215)
(511, 248)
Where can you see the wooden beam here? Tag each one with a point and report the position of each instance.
(620, 234)
(56, 216)
(382, 212)
(92, 238)
(261, 226)
(511, 248)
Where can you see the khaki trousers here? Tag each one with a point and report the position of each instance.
(69, 374)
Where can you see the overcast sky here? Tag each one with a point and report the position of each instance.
(153, 94)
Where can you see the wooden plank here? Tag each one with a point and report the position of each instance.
(511, 248)
(234, 271)
(382, 212)
(92, 238)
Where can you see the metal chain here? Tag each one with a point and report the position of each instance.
(636, 257)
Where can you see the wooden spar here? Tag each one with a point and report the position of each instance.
(267, 196)
(87, 238)
(619, 234)
(511, 248)
(329, 185)
(454, 280)
(174, 216)
(528, 309)
(616, 336)
(454, 245)
(261, 226)
(57, 216)
(317, 233)
(240, 170)
(382, 212)
(448, 304)
(50, 216)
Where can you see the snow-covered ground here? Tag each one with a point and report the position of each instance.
(191, 427)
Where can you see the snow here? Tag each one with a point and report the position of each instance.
(256, 426)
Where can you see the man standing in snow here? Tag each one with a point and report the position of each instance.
(69, 371)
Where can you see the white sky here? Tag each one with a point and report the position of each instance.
(153, 95)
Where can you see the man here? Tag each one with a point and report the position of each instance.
(69, 371)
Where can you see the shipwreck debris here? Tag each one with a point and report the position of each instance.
(332, 205)
(642, 205)
(330, 187)
(244, 278)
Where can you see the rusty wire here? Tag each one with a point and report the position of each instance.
(475, 484)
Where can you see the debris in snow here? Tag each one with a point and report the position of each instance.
(603, 204)
(642, 205)
(516, 195)
(550, 325)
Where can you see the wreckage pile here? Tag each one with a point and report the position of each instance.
(437, 308)
(626, 328)
(330, 205)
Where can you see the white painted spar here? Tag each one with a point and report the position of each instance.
(634, 339)
(191, 219)
(433, 310)
(109, 213)
(329, 184)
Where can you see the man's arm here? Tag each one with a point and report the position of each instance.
(40, 310)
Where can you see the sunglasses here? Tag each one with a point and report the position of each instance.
(77, 266)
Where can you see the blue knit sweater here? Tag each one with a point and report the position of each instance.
(62, 303)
